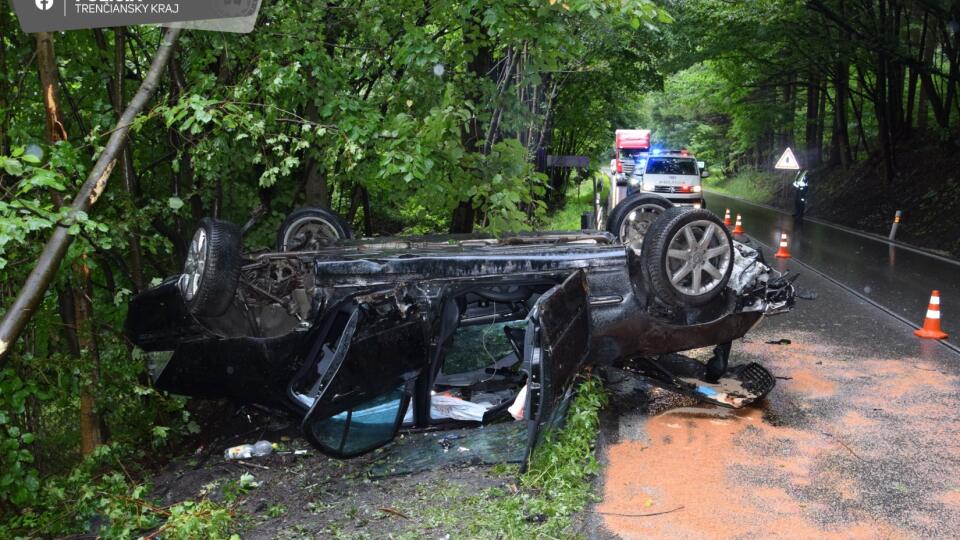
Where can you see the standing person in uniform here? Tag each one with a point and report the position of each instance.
(800, 185)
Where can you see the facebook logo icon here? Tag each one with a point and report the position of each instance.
(43, 5)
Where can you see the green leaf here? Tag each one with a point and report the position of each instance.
(175, 203)
(13, 167)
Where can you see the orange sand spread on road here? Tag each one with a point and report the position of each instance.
(707, 471)
(686, 465)
(809, 383)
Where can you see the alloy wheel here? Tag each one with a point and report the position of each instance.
(698, 256)
(196, 262)
(637, 223)
(308, 233)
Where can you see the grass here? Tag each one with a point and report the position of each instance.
(543, 502)
(579, 200)
(756, 186)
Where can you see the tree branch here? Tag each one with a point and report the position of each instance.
(31, 294)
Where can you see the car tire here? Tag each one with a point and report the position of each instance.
(632, 218)
(212, 269)
(680, 273)
(311, 228)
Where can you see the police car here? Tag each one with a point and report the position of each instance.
(673, 174)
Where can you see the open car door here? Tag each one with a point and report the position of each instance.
(355, 382)
(556, 345)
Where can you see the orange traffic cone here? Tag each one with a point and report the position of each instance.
(739, 228)
(784, 251)
(726, 218)
(931, 324)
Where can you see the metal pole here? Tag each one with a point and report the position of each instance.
(896, 224)
(596, 202)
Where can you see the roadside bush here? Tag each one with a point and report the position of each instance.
(558, 483)
(19, 480)
(98, 496)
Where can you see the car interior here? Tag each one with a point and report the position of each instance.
(477, 373)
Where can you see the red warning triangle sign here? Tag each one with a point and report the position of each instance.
(787, 161)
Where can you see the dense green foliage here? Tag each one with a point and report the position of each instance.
(863, 91)
(407, 116)
(837, 80)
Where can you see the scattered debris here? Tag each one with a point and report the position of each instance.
(394, 512)
(300, 452)
(618, 514)
(248, 464)
(247, 451)
(444, 406)
(779, 342)
(843, 444)
(491, 444)
(806, 294)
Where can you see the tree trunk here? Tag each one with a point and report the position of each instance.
(47, 65)
(789, 109)
(126, 157)
(929, 47)
(911, 100)
(813, 119)
(895, 83)
(30, 295)
(4, 88)
(91, 435)
(859, 116)
(841, 135)
(821, 115)
(78, 324)
(316, 189)
(952, 49)
(478, 68)
(913, 78)
(881, 110)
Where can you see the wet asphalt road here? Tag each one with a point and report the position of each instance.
(858, 439)
(896, 277)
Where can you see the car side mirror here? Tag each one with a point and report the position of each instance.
(701, 165)
(704, 173)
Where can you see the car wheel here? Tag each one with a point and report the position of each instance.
(631, 219)
(687, 256)
(311, 228)
(212, 269)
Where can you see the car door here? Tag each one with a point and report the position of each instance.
(556, 346)
(359, 375)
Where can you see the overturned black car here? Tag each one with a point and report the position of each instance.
(361, 337)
